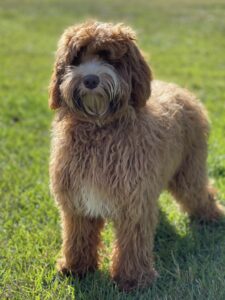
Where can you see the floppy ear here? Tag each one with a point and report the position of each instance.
(54, 92)
(141, 77)
(63, 57)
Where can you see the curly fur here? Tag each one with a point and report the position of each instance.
(116, 166)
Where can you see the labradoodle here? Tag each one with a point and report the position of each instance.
(119, 139)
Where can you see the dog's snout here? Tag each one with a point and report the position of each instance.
(91, 81)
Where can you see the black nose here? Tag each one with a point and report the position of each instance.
(91, 81)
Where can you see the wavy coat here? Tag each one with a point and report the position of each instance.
(117, 169)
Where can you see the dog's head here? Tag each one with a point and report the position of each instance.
(99, 71)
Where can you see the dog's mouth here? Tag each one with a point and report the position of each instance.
(93, 105)
(90, 111)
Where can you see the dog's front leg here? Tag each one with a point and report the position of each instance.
(132, 265)
(81, 239)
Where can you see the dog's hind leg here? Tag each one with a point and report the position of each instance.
(81, 239)
(191, 189)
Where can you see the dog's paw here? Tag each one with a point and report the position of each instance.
(214, 214)
(217, 213)
(63, 268)
(136, 282)
(76, 270)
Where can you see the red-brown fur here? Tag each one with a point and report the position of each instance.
(126, 160)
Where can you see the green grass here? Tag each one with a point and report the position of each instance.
(184, 42)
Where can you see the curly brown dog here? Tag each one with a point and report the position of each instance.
(113, 153)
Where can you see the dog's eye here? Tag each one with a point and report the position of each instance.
(75, 61)
(116, 63)
(104, 53)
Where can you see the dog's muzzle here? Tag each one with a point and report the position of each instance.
(93, 88)
(89, 107)
(80, 106)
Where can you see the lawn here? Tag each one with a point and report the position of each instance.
(185, 42)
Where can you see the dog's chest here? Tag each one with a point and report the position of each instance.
(94, 159)
(93, 165)
(105, 167)
(93, 203)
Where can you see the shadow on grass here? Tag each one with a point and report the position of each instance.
(181, 259)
